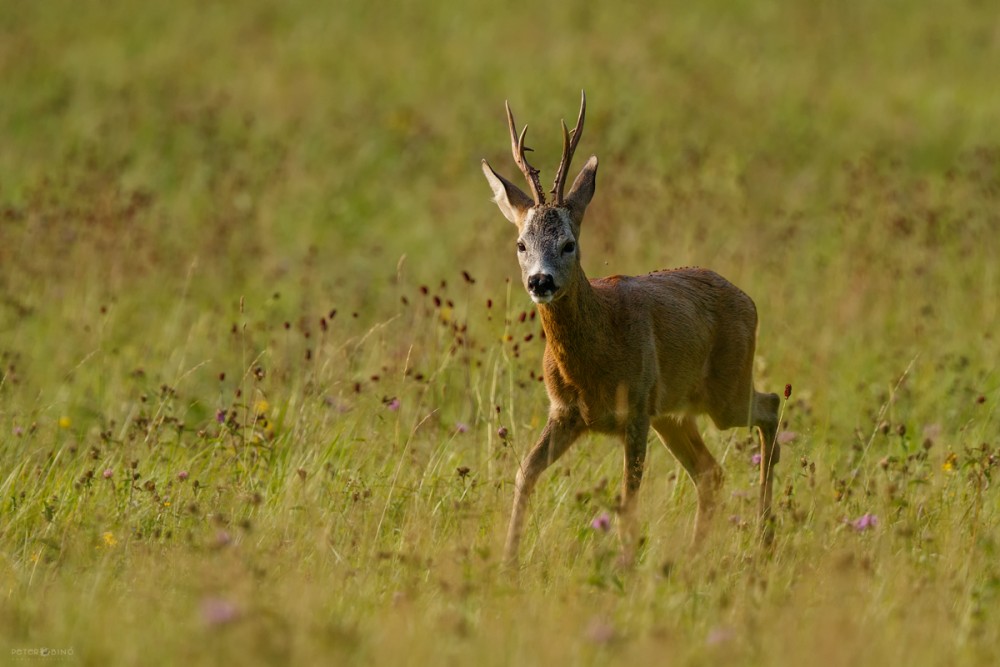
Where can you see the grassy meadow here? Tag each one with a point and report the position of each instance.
(261, 328)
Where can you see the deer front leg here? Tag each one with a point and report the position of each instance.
(636, 434)
(559, 433)
(765, 417)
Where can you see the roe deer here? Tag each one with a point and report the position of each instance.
(625, 353)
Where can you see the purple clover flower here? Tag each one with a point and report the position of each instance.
(601, 522)
(864, 522)
(218, 611)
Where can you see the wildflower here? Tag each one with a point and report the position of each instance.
(461, 427)
(108, 473)
(864, 522)
(950, 462)
(786, 437)
(18, 431)
(601, 522)
(64, 422)
(719, 635)
(222, 539)
(220, 416)
(601, 631)
(502, 432)
(932, 431)
(261, 407)
(755, 459)
(392, 404)
(109, 539)
(788, 391)
(218, 611)
(182, 475)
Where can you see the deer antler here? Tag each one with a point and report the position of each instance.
(570, 140)
(517, 146)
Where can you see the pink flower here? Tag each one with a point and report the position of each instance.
(461, 427)
(218, 611)
(720, 634)
(220, 416)
(755, 459)
(601, 522)
(392, 404)
(786, 437)
(502, 432)
(182, 475)
(601, 631)
(864, 522)
(107, 474)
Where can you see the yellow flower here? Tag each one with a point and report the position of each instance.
(35, 556)
(262, 407)
(950, 462)
(109, 539)
(64, 422)
(166, 503)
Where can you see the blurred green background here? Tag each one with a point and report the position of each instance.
(188, 191)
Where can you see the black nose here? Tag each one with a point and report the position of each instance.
(540, 283)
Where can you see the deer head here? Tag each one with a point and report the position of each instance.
(547, 233)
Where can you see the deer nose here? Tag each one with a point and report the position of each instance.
(541, 283)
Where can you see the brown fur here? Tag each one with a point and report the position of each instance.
(626, 354)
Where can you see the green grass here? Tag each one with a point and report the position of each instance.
(188, 192)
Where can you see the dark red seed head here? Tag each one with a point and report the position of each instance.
(788, 390)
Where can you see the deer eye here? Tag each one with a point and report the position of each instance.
(569, 247)
(521, 247)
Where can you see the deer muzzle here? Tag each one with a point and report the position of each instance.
(541, 287)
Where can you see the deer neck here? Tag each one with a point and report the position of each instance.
(574, 324)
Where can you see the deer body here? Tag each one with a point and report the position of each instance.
(626, 354)
(668, 343)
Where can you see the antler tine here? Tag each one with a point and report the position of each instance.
(570, 140)
(518, 148)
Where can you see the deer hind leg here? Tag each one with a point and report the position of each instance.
(684, 442)
(765, 418)
(636, 435)
(557, 436)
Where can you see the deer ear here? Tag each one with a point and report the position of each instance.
(583, 190)
(513, 203)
